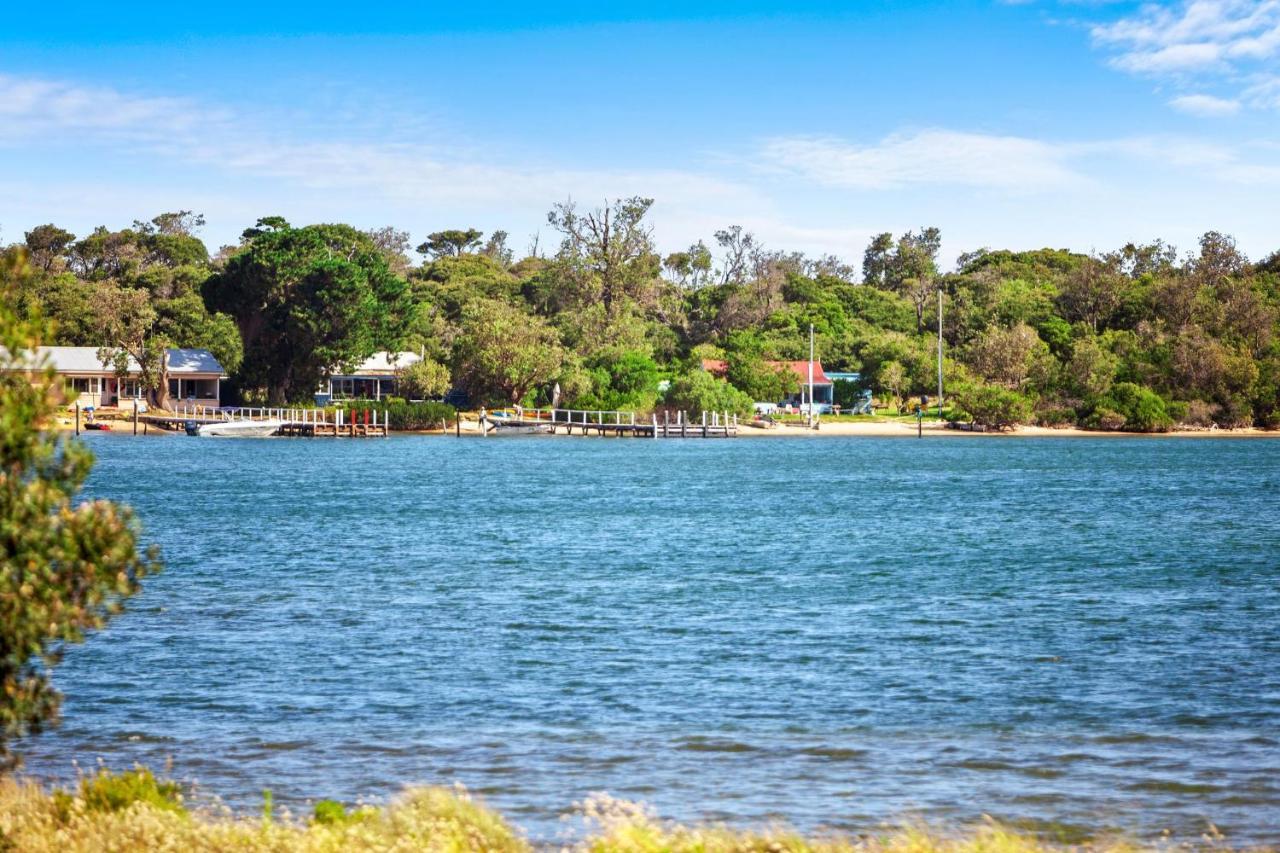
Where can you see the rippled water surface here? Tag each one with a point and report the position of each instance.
(835, 632)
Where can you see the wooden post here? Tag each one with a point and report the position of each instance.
(77, 417)
(655, 424)
(135, 417)
(704, 423)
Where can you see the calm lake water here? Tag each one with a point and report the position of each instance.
(833, 632)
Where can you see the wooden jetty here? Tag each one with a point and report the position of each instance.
(297, 423)
(603, 423)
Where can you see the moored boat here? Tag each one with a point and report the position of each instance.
(239, 429)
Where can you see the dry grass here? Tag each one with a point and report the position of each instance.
(629, 828)
(427, 819)
(133, 812)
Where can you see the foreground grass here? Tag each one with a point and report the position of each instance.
(134, 812)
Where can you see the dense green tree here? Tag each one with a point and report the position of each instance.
(47, 245)
(424, 380)
(452, 243)
(307, 301)
(876, 260)
(620, 380)
(697, 391)
(504, 353)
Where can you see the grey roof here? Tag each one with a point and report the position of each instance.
(194, 361)
(382, 364)
(85, 360)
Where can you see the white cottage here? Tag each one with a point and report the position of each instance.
(194, 376)
(374, 379)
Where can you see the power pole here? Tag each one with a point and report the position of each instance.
(811, 412)
(939, 353)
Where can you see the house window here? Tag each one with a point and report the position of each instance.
(197, 389)
(86, 384)
(130, 389)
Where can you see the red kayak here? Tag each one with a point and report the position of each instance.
(98, 426)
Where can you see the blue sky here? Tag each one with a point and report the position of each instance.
(814, 124)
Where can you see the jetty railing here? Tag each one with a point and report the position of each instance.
(619, 423)
(294, 421)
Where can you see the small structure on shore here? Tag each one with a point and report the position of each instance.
(823, 388)
(195, 376)
(374, 378)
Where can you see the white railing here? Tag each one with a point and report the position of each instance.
(593, 418)
(340, 419)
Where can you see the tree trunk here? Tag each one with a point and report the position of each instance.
(162, 387)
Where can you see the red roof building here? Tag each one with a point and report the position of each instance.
(823, 388)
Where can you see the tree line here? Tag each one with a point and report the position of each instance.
(1139, 338)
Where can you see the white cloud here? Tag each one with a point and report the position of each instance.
(927, 157)
(1264, 92)
(1205, 105)
(32, 107)
(1195, 40)
(1008, 164)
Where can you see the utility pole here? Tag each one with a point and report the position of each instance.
(811, 412)
(939, 353)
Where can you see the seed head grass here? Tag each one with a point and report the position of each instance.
(132, 812)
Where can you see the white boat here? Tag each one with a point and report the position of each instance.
(240, 429)
(521, 429)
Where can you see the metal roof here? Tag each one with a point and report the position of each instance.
(86, 360)
(799, 368)
(382, 364)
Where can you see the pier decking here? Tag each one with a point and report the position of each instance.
(365, 423)
(297, 423)
(605, 423)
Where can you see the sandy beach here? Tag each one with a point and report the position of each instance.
(893, 429)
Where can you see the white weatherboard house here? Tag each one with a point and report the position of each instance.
(374, 379)
(194, 376)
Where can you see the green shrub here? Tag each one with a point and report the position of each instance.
(330, 811)
(1105, 419)
(698, 391)
(1132, 407)
(1058, 416)
(990, 405)
(399, 415)
(114, 792)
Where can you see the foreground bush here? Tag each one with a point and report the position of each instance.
(67, 565)
(134, 812)
(128, 813)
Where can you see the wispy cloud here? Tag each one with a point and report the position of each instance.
(1011, 164)
(934, 156)
(1229, 42)
(1205, 105)
(35, 107)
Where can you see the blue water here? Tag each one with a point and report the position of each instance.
(832, 632)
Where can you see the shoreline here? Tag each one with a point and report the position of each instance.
(846, 429)
(892, 429)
